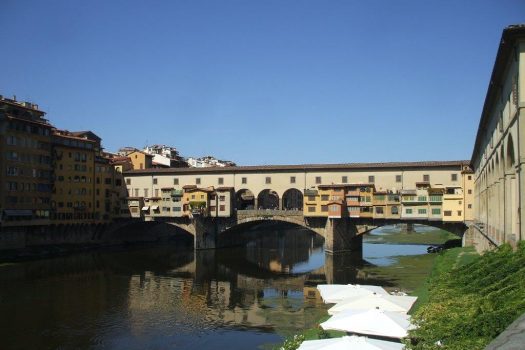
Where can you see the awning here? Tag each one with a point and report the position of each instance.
(155, 207)
(18, 212)
(145, 208)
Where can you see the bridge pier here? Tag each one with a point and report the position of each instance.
(342, 236)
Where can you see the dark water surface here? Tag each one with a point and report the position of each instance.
(168, 297)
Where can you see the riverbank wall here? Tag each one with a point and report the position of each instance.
(477, 238)
(18, 243)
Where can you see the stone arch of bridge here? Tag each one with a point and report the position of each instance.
(251, 221)
(456, 228)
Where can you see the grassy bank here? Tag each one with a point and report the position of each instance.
(469, 300)
(429, 237)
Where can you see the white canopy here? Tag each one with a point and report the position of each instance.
(371, 322)
(334, 293)
(352, 342)
(145, 208)
(375, 301)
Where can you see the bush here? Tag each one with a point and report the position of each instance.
(470, 305)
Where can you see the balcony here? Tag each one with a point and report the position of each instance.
(310, 192)
(177, 193)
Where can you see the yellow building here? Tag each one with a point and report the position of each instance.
(140, 160)
(326, 201)
(25, 162)
(453, 204)
(468, 193)
(196, 201)
(105, 197)
(73, 198)
(121, 205)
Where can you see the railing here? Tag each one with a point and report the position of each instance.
(482, 231)
(270, 212)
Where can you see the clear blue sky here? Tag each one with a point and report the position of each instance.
(260, 82)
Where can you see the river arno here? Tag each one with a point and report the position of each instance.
(166, 297)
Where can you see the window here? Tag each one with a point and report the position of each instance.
(469, 177)
(198, 181)
(311, 198)
(379, 210)
(176, 208)
(156, 192)
(222, 198)
(136, 192)
(268, 180)
(426, 178)
(454, 177)
(344, 179)
(212, 208)
(394, 210)
(469, 191)
(334, 208)
(221, 181)
(459, 212)
(292, 179)
(311, 208)
(436, 211)
(325, 197)
(422, 198)
(421, 211)
(154, 181)
(192, 196)
(398, 178)
(175, 181)
(222, 208)
(324, 208)
(371, 179)
(145, 192)
(244, 180)
(318, 179)
(470, 206)
(447, 213)
(408, 211)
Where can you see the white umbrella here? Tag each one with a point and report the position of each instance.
(352, 342)
(334, 293)
(375, 301)
(371, 322)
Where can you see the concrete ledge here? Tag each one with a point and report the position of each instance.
(512, 338)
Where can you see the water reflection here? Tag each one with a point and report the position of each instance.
(170, 298)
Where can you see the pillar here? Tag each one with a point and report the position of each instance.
(205, 233)
(341, 236)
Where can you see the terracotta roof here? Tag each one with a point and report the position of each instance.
(303, 167)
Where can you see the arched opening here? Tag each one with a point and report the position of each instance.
(510, 152)
(268, 199)
(293, 199)
(244, 200)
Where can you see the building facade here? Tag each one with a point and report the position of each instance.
(387, 190)
(499, 150)
(25, 162)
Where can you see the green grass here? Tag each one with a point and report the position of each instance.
(428, 237)
(406, 274)
(471, 299)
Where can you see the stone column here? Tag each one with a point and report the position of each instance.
(341, 236)
(205, 233)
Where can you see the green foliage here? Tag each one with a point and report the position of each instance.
(470, 305)
(292, 343)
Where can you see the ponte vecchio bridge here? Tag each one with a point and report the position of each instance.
(340, 202)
